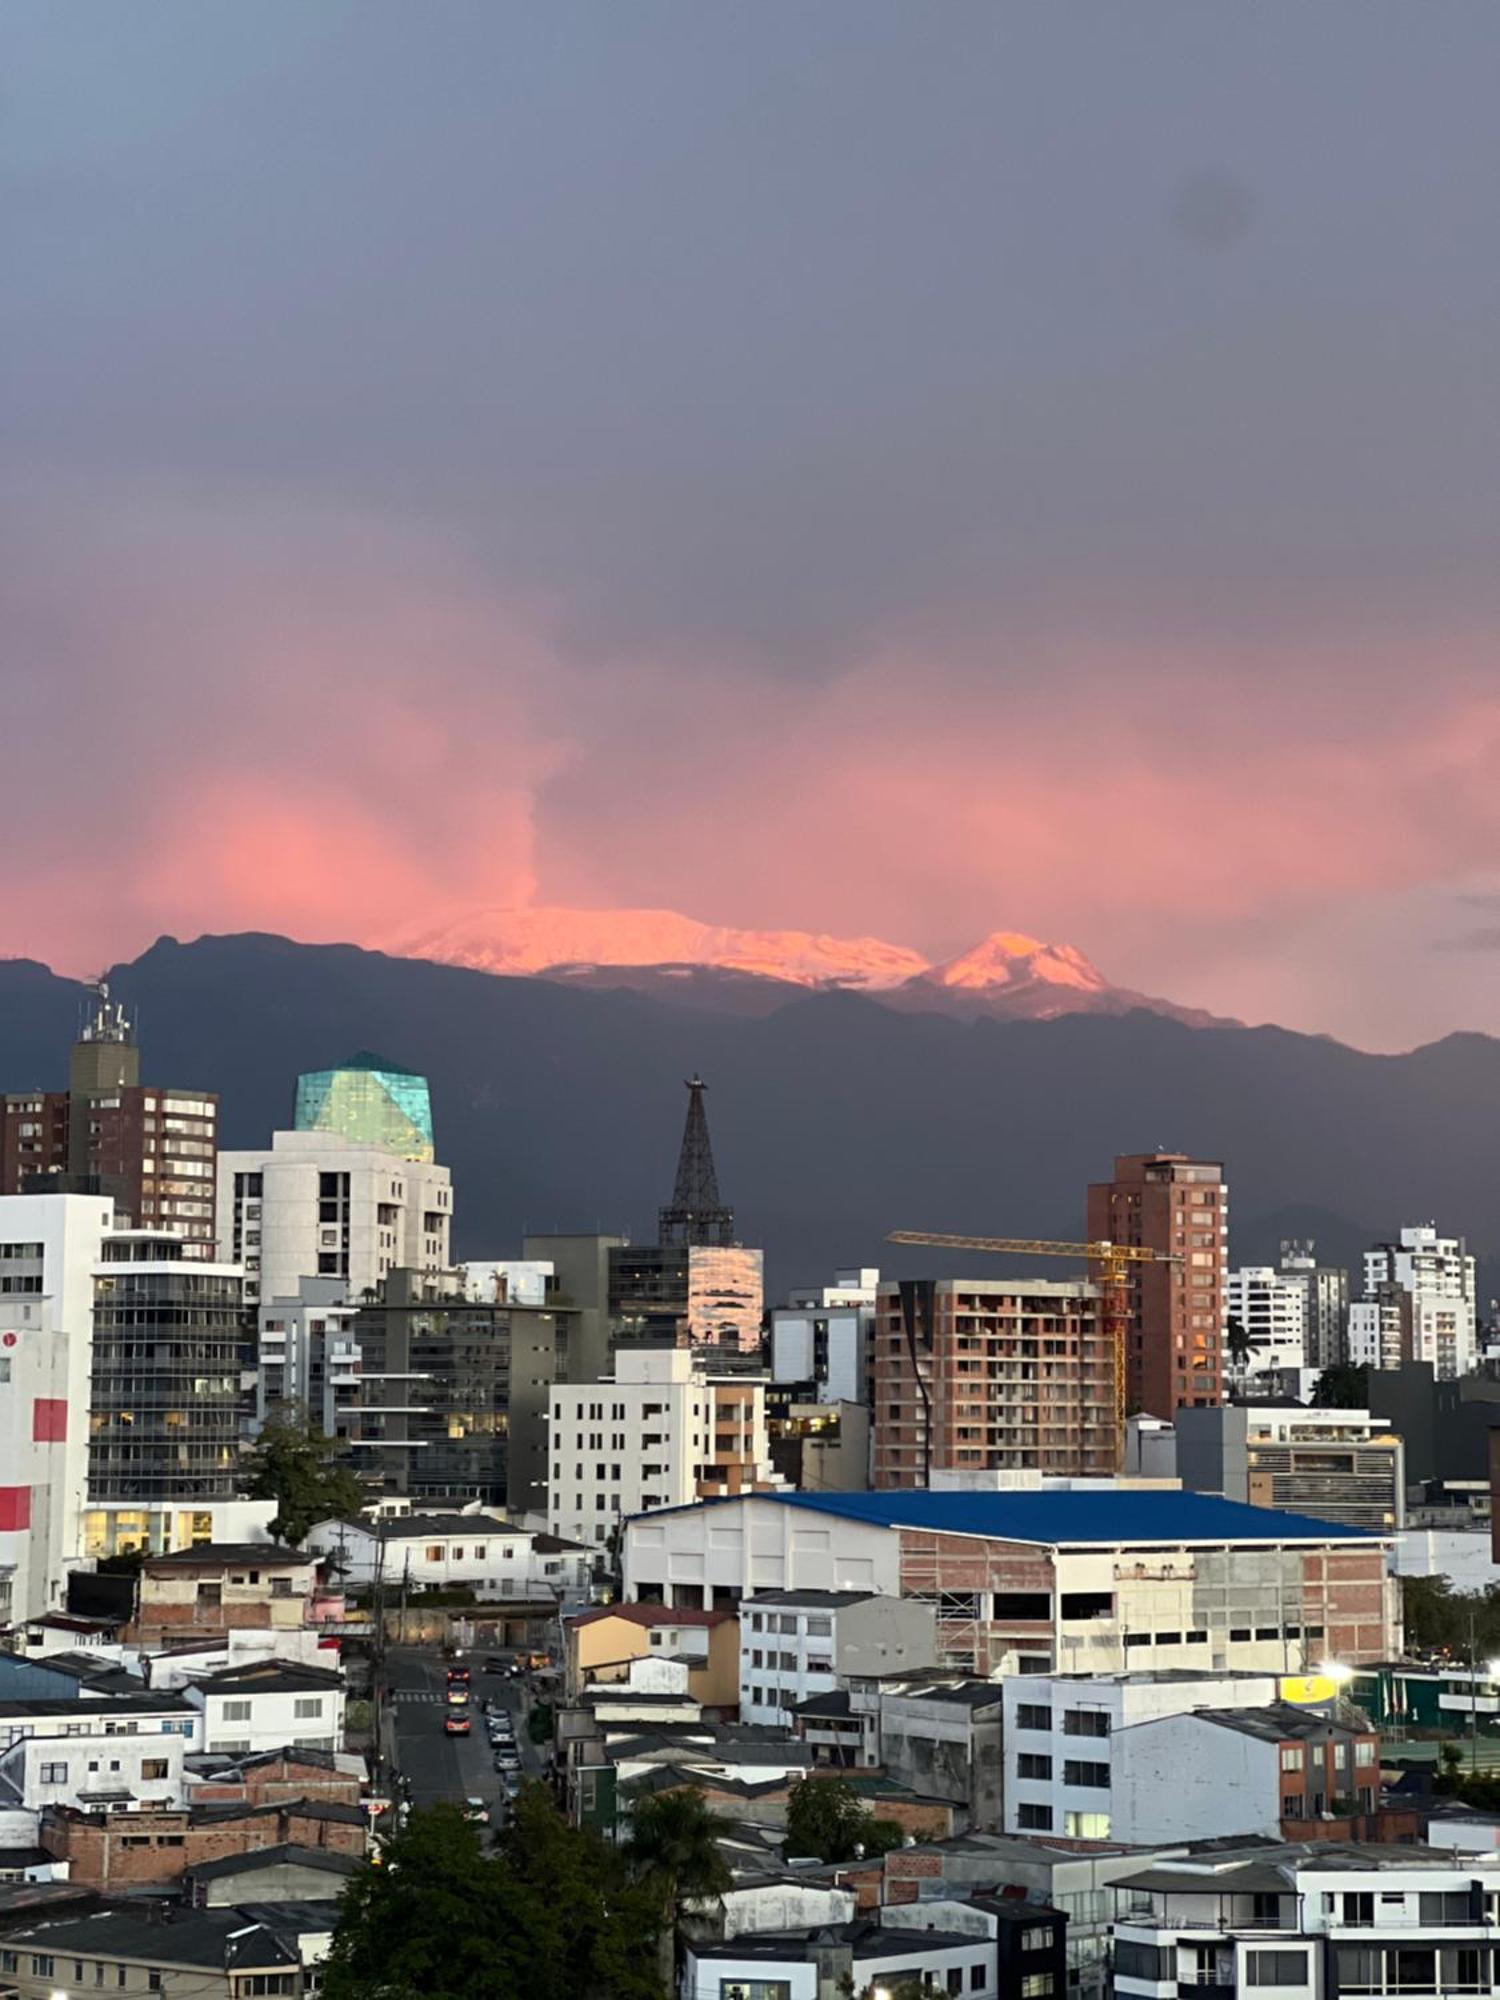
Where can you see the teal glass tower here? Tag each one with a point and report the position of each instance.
(369, 1100)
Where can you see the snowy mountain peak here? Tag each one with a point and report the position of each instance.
(1006, 958)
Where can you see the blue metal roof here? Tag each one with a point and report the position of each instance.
(1052, 1518)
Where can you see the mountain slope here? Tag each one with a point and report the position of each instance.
(835, 1118)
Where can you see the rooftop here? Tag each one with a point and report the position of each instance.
(258, 1555)
(651, 1614)
(1277, 1723)
(1128, 1516)
(199, 1938)
(269, 1677)
(76, 1710)
(287, 1854)
(807, 1600)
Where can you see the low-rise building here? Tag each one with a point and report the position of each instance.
(1303, 1922)
(269, 1706)
(1094, 1581)
(1150, 1758)
(190, 1593)
(601, 1645)
(799, 1643)
(495, 1558)
(124, 1750)
(200, 1955)
(943, 1737)
(866, 1956)
(1341, 1465)
(122, 1851)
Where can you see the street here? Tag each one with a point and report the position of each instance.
(439, 1766)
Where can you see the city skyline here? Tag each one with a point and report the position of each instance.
(799, 469)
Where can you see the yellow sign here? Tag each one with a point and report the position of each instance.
(1309, 1687)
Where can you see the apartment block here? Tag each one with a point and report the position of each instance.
(974, 1374)
(801, 1643)
(660, 1433)
(1179, 1207)
(1341, 1465)
(1432, 1278)
(1271, 1310)
(1325, 1291)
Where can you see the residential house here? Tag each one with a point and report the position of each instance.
(599, 1645)
(194, 1593)
(495, 1558)
(127, 1751)
(199, 1955)
(268, 1706)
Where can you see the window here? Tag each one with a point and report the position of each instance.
(1035, 1984)
(1276, 1968)
(1291, 1757)
(53, 1774)
(153, 1770)
(1364, 1752)
(1039, 1938)
(1029, 1765)
(309, 1709)
(1034, 1819)
(1085, 1722)
(755, 1989)
(976, 1978)
(955, 1979)
(1145, 1961)
(1032, 1715)
(1086, 1825)
(1094, 1776)
(1447, 1906)
(235, 1711)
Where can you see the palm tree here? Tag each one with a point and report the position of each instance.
(673, 1845)
(1239, 1344)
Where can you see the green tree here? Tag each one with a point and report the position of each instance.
(293, 1463)
(540, 1722)
(1238, 1343)
(673, 1852)
(825, 1819)
(554, 1914)
(1342, 1387)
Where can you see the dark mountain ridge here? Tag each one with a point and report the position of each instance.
(834, 1118)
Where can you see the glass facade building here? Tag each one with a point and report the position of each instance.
(371, 1101)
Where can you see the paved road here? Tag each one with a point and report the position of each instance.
(440, 1766)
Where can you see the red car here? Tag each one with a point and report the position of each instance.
(457, 1725)
(458, 1674)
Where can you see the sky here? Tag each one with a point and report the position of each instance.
(910, 469)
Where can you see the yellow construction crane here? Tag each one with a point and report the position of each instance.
(1110, 1264)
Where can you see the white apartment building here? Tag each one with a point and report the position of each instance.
(1436, 1276)
(1376, 1330)
(269, 1705)
(489, 1555)
(1272, 1308)
(314, 1205)
(799, 1643)
(661, 1433)
(1308, 1922)
(120, 1750)
(1325, 1292)
(49, 1247)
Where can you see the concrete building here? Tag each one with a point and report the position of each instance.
(1376, 1331)
(1308, 1921)
(497, 1559)
(201, 1592)
(1143, 1759)
(1179, 1207)
(1325, 1296)
(1435, 1279)
(943, 1738)
(1341, 1465)
(991, 1374)
(309, 1358)
(49, 1245)
(820, 1340)
(171, 1342)
(113, 1750)
(1088, 1582)
(1272, 1310)
(147, 1148)
(269, 1705)
(603, 1644)
(660, 1433)
(162, 1527)
(318, 1205)
(219, 1954)
(819, 1447)
(866, 1956)
(451, 1392)
(799, 1643)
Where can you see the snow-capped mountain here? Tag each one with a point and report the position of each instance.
(1008, 975)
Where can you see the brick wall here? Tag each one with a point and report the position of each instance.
(123, 1850)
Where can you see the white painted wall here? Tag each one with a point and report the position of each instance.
(267, 1719)
(755, 1545)
(1184, 1779)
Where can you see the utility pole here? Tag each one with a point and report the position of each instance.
(1473, 1695)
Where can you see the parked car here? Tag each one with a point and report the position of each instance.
(476, 1809)
(512, 1784)
(507, 1758)
(457, 1725)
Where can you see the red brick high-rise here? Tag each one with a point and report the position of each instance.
(153, 1149)
(1175, 1332)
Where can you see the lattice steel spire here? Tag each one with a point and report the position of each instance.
(696, 1214)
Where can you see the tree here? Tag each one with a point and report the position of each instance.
(553, 1915)
(540, 1722)
(293, 1463)
(673, 1850)
(826, 1820)
(1238, 1342)
(1342, 1387)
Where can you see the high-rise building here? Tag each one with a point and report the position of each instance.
(149, 1148)
(315, 1205)
(662, 1432)
(371, 1101)
(695, 1286)
(1335, 1465)
(1435, 1275)
(49, 1248)
(1326, 1291)
(451, 1389)
(989, 1374)
(1179, 1207)
(172, 1341)
(1272, 1311)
